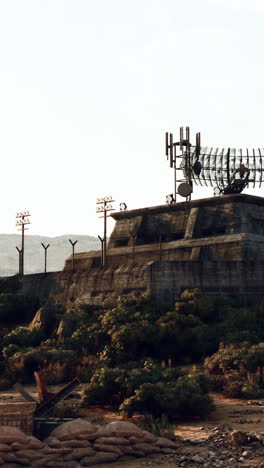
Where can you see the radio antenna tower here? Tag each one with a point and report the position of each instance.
(183, 158)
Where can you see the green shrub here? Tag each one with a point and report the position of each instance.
(194, 302)
(233, 385)
(10, 350)
(176, 332)
(104, 387)
(232, 357)
(24, 364)
(113, 385)
(184, 398)
(88, 340)
(23, 337)
(252, 391)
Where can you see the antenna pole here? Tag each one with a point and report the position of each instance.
(175, 174)
(73, 245)
(227, 165)
(45, 250)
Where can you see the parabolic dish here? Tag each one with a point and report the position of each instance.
(184, 189)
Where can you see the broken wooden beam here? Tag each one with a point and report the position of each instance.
(47, 406)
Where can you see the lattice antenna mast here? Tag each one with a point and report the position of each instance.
(104, 206)
(22, 220)
(184, 157)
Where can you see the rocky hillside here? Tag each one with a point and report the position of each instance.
(58, 251)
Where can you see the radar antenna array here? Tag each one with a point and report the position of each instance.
(228, 170)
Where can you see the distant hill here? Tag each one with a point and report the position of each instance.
(59, 250)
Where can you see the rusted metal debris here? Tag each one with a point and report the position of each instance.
(24, 393)
(47, 406)
(47, 400)
(43, 393)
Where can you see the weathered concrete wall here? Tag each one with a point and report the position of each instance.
(165, 280)
(169, 279)
(98, 286)
(215, 244)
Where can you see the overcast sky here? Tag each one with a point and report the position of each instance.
(88, 88)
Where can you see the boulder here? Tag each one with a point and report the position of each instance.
(237, 438)
(43, 319)
(65, 328)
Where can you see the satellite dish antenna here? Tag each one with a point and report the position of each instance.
(217, 191)
(184, 190)
(169, 199)
(197, 167)
(123, 206)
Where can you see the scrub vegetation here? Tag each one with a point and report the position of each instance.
(136, 357)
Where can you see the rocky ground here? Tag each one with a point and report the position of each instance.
(232, 436)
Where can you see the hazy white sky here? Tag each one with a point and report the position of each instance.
(88, 88)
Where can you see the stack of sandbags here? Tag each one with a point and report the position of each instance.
(91, 445)
(18, 449)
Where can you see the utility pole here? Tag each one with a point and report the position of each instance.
(22, 220)
(104, 207)
(73, 245)
(102, 250)
(19, 260)
(45, 249)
